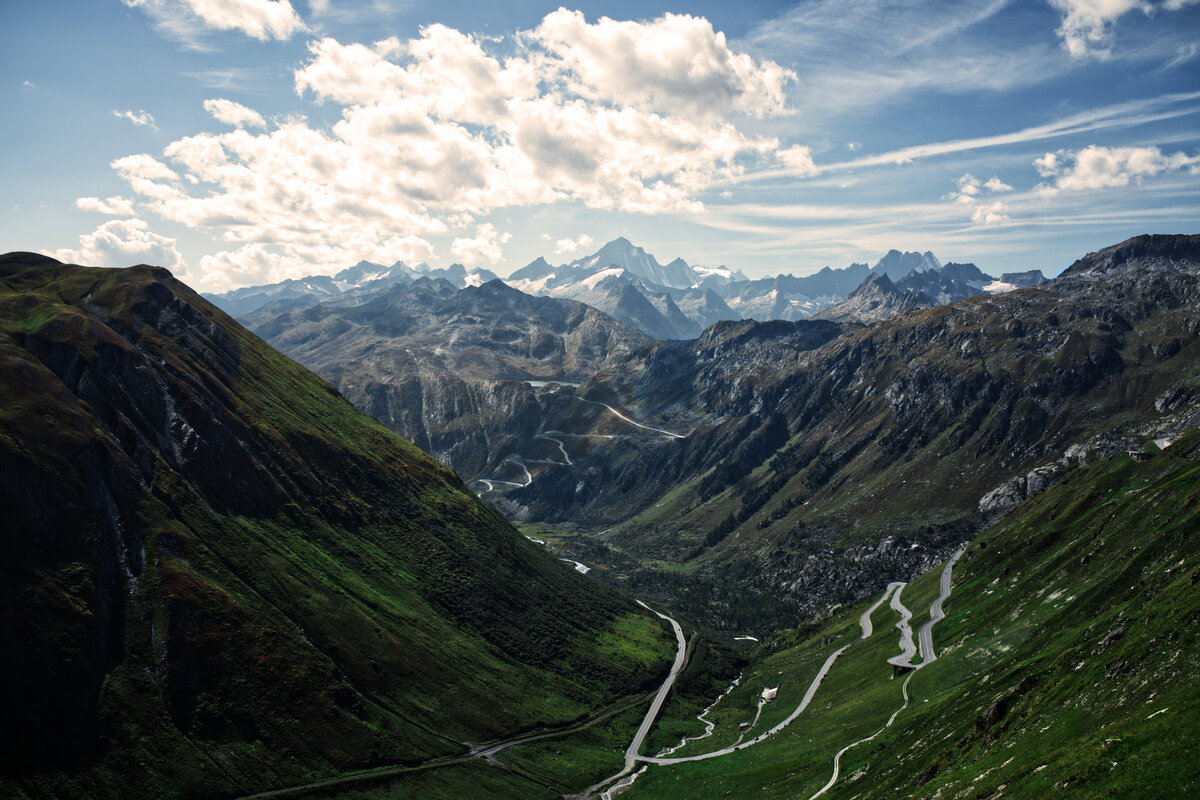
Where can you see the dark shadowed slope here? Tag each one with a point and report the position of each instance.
(217, 576)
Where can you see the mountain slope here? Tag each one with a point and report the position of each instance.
(807, 472)
(875, 300)
(449, 369)
(217, 576)
(1064, 666)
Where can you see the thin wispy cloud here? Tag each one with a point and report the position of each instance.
(189, 21)
(1121, 115)
(844, 65)
(143, 119)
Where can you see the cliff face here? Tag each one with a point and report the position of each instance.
(217, 576)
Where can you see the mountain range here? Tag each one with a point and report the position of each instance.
(672, 301)
(220, 577)
(808, 459)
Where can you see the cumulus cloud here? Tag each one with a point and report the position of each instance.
(674, 64)
(437, 131)
(571, 245)
(994, 213)
(798, 159)
(969, 194)
(185, 20)
(115, 206)
(121, 243)
(139, 117)
(1096, 167)
(970, 187)
(235, 114)
(1088, 26)
(485, 246)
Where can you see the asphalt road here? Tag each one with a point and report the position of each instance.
(907, 648)
(864, 622)
(927, 656)
(631, 752)
(935, 611)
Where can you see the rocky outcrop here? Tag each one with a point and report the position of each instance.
(1149, 252)
(875, 300)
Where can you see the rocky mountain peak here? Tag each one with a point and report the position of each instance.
(896, 264)
(1169, 252)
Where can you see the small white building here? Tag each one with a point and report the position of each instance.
(769, 693)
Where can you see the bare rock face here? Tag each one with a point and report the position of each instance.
(877, 299)
(1004, 497)
(1150, 252)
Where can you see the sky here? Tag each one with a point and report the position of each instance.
(240, 142)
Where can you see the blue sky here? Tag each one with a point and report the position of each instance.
(245, 141)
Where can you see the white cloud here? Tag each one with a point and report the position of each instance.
(139, 117)
(145, 175)
(571, 245)
(846, 65)
(853, 146)
(484, 247)
(970, 190)
(674, 64)
(994, 213)
(235, 114)
(115, 206)
(28, 85)
(186, 20)
(970, 187)
(437, 131)
(1096, 167)
(1183, 54)
(122, 243)
(798, 160)
(1087, 25)
(1119, 115)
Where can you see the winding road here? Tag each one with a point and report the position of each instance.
(907, 648)
(566, 458)
(631, 752)
(631, 422)
(864, 622)
(935, 610)
(927, 657)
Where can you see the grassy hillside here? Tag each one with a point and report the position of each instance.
(1066, 664)
(217, 576)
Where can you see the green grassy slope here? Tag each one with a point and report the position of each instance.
(1066, 662)
(217, 576)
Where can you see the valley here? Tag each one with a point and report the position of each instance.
(408, 400)
(813, 558)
